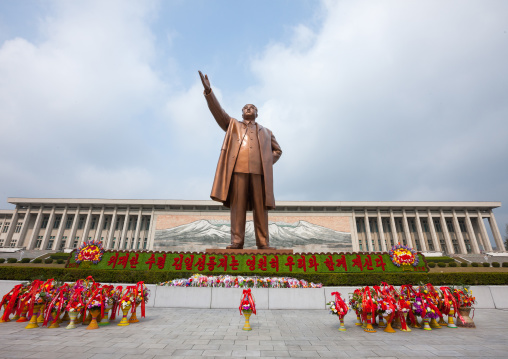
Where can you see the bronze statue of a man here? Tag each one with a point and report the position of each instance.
(244, 176)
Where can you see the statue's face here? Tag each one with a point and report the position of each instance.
(249, 112)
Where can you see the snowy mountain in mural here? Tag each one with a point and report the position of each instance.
(301, 236)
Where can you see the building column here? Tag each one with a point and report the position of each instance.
(354, 235)
(12, 227)
(446, 234)
(370, 245)
(151, 231)
(394, 228)
(138, 227)
(486, 240)
(423, 240)
(405, 225)
(24, 228)
(112, 228)
(87, 227)
(460, 237)
(381, 231)
(496, 233)
(472, 236)
(433, 235)
(98, 232)
(37, 228)
(74, 229)
(49, 228)
(124, 230)
(59, 235)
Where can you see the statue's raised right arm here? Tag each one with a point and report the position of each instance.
(217, 111)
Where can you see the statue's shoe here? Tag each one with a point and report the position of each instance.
(266, 247)
(234, 246)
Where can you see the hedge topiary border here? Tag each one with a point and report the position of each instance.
(333, 279)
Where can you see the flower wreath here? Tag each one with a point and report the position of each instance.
(90, 251)
(403, 255)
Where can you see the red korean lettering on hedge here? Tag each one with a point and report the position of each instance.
(150, 261)
(161, 261)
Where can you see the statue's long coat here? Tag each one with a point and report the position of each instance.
(235, 130)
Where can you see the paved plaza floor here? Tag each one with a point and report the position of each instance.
(187, 333)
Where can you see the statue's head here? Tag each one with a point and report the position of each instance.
(249, 112)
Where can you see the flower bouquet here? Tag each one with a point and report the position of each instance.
(355, 303)
(247, 307)
(339, 308)
(465, 301)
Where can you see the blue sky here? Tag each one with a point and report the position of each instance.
(369, 100)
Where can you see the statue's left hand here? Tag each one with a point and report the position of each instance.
(206, 83)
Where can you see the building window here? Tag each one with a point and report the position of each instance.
(38, 242)
(13, 243)
(81, 222)
(145, 243)
(130, 224)
(76, 241)
(147, 223)
(45, 221)
(57, 222)
(92, 226)
(63, 243)
(126, 243)
(50, 242)
(113, 243)
(68, 224)
(6, 227)
(105, 223)
(117, 224)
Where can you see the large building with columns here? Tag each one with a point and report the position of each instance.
(63, 224)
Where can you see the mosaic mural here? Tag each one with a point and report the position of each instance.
(309, 234)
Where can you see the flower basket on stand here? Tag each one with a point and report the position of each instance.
(247, 307)
(355, 303)
(465, 302)
(141, 294)
(339, 308)
(126, 303)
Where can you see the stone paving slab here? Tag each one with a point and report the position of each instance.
(217, 333)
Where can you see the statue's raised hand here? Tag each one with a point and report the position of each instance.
(206, 82)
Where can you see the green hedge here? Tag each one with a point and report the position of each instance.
(357, 279)
(440, 259)
(63, 256)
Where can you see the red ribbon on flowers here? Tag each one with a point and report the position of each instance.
(57, 299)
(339, 303)
(448, 297)
(367, 304)
(9, 305)
(247, 298)
(30, 296)
(140, 287)
(116, 303)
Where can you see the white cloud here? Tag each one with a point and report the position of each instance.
(387, 99)
(78, 96)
